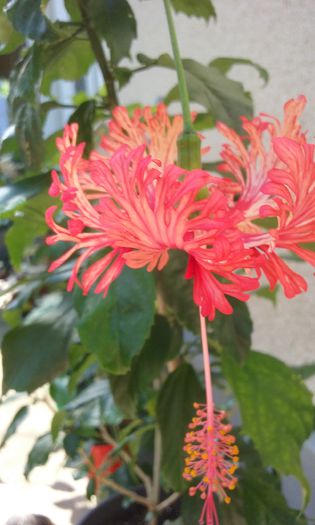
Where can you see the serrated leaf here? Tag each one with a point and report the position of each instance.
(234, 331)
(224, 64)
(276, 409)
(115, 328)
(15, 423)
(39, 347)
(174, 412)
(116, 23)
(27, 17)
(202, 8)
(263, 504)
(222, 97)
(39, 453)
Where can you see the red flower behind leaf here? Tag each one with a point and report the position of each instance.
(100, 455)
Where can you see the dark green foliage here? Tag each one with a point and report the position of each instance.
(202, 8)
(174, 412)
(39, 346)
(276, 407)
(233, 332)
(115, 329)
(116, 23)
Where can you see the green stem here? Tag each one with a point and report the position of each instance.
(98, 50)
(183, 91)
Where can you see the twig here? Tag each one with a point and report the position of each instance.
(118, 488)
(155, 496)
(98, 50)
(128, 459)
(168, 501)
(157, 465)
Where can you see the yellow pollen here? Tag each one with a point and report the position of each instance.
(227, 499)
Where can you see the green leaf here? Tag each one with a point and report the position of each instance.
(163, 344)
(177, 292)
(305, 371)
(25, 79)
(39, 453)
(27, 17)
(28, 225)
(9, 38)
(203, 121)
(266, 293)
(36, 352)
(71, 444)
(13, 196)
(191, 508)
(116, 23)
(202, 8)
(29, 134)
(15, 423)
(222, 97)
(123, 75)
(156, 351)
(224, 64)
(68, 60)
(276, 409)
(115, 328)
(73, 9)
(174, 412)
(124, 398)
(94, 406)
(84, 116)
(264, 504)
(234, 331)
(56, 424)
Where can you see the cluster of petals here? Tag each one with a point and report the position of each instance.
(212, 459)
(274, 169)
(129, 204)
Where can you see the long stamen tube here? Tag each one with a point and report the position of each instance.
(212, 455)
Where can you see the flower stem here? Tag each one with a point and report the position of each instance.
(183, 91)
(207, 369)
